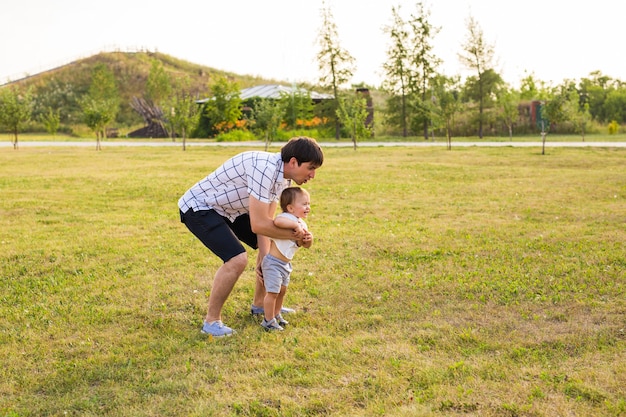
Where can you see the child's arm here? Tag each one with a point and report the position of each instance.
(287, 223)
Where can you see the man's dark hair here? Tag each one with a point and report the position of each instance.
(304, 149)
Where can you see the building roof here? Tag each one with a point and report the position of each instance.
(276, 91)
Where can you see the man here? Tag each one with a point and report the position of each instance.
(237, 203)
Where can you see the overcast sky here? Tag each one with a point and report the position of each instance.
(551, 39)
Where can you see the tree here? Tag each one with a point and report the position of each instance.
(184, 112)
(533, 89)
(555, 110)
(15, 111)
(410, 67)
(97, 115)
(485, 91)
(615, 105)
(296, 107)
(101, 104)
(158, 84)
(508, 101)
(558, 108)
(223, 108)
(446, 103)
(478, 56)
(398, 74)
(582, 119)
(336, 65)
(424, 61)
(576, 110)
(594, 91)
(158, 91)
(103, 86)
(268, 116)
(59, 95)
(528, 88)
(51, 120)
(352, 113)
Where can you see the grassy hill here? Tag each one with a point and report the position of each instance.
(132, 68)
(63, 86)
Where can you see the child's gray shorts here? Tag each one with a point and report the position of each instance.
(275, 273)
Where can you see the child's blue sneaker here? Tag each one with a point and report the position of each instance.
(281, 321)
(271, 325)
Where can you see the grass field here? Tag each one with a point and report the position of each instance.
(470, 282)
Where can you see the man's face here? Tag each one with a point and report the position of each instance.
(300, 174)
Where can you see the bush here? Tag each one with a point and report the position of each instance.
(236, 135)
(285, 135)
(241, 135)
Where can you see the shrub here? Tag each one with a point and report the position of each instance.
(236, 135)
(285, 135)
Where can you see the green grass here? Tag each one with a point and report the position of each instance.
(477, 281)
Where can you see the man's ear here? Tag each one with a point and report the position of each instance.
(293, 162)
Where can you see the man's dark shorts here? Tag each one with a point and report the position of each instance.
(219, 234)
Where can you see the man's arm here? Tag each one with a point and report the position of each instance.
(262, 221)
(263, 242)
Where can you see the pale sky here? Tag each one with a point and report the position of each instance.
(551, 39)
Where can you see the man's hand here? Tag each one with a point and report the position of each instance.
(259, 274)
(298, 233)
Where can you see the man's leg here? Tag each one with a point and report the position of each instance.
(215, 233)
(259, 296)
(259, 293)
(263, 243)
(223, 283)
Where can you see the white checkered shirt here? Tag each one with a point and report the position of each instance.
(227, 189)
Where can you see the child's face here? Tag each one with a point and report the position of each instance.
(301, 206)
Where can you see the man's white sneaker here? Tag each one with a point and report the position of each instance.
(217, 329)
(259, 310)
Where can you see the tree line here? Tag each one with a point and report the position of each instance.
(419, 100)
(423, 101)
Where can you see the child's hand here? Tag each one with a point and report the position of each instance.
(307, 237)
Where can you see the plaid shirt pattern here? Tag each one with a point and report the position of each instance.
(227, 189)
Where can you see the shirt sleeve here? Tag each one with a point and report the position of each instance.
(262, 178)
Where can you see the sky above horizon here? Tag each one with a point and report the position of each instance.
(553, 40)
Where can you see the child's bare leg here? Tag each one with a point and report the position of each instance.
(279, 300)
(269, 305)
